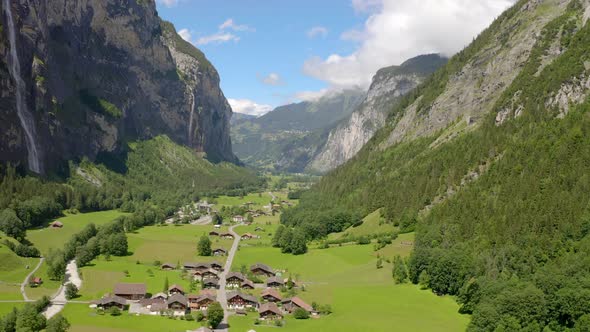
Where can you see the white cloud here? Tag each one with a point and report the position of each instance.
(314, 95)
(317, 31)
(400, 29)
(230, 24)
(273, 79)
(169, 3)
(246, 106)
(219, 37)
(185, 34)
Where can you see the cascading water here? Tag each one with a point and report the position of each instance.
(191, 118)
(26, 118)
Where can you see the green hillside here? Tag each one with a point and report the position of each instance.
(502, 211)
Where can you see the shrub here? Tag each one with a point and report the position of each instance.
(300, 313)
(114, 311)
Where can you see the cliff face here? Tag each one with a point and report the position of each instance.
(97, 73)
(389, 84)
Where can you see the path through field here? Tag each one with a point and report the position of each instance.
(27, 278)
(59, 301)
(222, 294)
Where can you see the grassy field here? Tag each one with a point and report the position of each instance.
(7, 307)
(46, 238)
(13, 269)
(48, 287)
(372, 224)
(259, 199)
(84, 319)
(402, 246)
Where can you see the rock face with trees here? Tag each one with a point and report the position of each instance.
(140, 79)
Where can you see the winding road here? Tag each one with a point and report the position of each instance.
(59, 301)
(26, 282)
(222, 293)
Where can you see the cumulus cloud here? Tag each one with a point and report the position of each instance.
(185, 34)
(318, 31)
(272, 79)
(230, 24)
(246, 106)
(169, 3)
(218, 38)
(400, 29)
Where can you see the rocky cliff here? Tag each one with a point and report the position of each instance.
(94, 74)
(389, 84)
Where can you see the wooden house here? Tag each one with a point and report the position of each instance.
(275, 282)
(247, 284)
(238, 218)
(293, 303)
(271, 295)
(227, 236)
(168, 266)
(129, 291)
(177, 303)
(214, 233)
(200, 302)
(270, 311)
(36, 282)
(175, 289)
(215, 265)
(237, 300)
(219, 252)
(160, 296)
(260, 269)
(234, 279)
(110, 301)
(210, 284)
(56, 224)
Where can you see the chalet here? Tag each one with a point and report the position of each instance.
(270, 311)
(160, 296)
(238, 219)
(227, 236)
(213, 233)
(293, 303)
(271, 295)
(262, 269)
(153, 306)
(248, 236)
(56, 224)
(177, 303)
(210, 284)
(200, 302)
(275, 282)
(258, 229)
(110, 301)
(237, 300)
(215, 265)
(168, 266)
(196, 266)
(210, 274)
(234, 279)
(247, 284)
(133, 292)
(204, 207)
(175, 289)
(36, 281)
(219, 252)
(158, 308)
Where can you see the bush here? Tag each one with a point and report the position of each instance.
(114, 311)
(300, 313)
(363, 240)
(71, 291)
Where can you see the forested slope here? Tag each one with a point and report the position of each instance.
(495, 186)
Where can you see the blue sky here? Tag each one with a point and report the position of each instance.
(272, 52)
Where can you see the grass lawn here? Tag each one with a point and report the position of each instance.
(372, 224)
(402, 246)
(84, 319)
(7, 307)
(259, 199)
(363, 298)
(13, 269)
(46, 238)
(10, 292)
(48, 287)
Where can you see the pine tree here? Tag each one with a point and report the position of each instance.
(204, 246)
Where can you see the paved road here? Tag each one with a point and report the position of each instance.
(222, 294)
(59, 300)
(26, 282)
(202, 221)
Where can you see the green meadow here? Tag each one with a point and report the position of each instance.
(14, 268)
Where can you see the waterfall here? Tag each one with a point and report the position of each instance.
(25, 117)
(191, 118)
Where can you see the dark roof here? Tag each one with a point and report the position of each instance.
(129, 289)
(219, 249)
(226, 234)
(261, 266)
(270, 307)
(169, 265)
(246, 297)
(159, 306)
(275, 280)
(196, 265)
(111, 299)
(216, 263)
(271, 292)
(247, 283)
(176, 287)
(300, 303)
(210, 282)
(177, 298)
(201, 298)
(152, 301)
(236, 275)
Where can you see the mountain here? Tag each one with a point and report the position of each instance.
(82, 78)
(287, 138)
(388, 86)
(487, 161)
(240, 117)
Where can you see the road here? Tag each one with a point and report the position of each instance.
(26, 282)
(59, 300)
(274, 198)
(203, 220)
(222, 294)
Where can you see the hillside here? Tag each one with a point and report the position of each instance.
(486, 160)
(388, 86)
(83, 78)
(288, 137)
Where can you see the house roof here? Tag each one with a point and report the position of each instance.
(112, 299)
(219, 249)
(213, 233)
(176, 287)
(270, 307)
(271, 292)
(275, 280)
(57, 223)
(196, 265)
(37, 280)
(208, 292)
(177, 298)
(160, 295)
(300, 303)
(248, 235)
(129, 289)
(246, 297)
(226, 234)
(210, 282)
(235, 275)
(159, 306)
(247, 283)
(169, 265)
(216, 263)
(146, 302)
(201, 298)
(260, 266)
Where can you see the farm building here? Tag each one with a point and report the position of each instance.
(213, 233)
(160, 296)
(130, 291)
(293, 303)
(177, 303)
(234, 279)
(271, 295)
(238, 218)
(262, 269)
(110, 301)
(270, 311)
(168, 266)
(227, 236)
(210, 284)
(175, 289)
(247, 284)
(56, 224)
(237, 300)
(200, 302)
(274, 282)
(219, 252)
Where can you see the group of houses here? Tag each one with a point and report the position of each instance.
(229, 236)
(271, 307)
